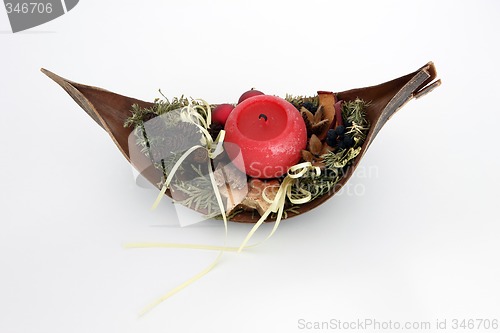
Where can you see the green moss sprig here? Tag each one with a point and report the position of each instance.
(198, 193)
(311, 103)
(354, 115)
(159, 107)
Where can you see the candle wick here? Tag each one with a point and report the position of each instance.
(263, 116)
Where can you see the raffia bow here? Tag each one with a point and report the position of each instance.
(285, 191)
(201, 117)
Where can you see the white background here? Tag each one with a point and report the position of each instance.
(416, 238)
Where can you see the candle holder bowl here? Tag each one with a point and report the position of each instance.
(110, 111)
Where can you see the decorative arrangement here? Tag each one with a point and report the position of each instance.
(263, 159)
(312, 145)
(271, 134)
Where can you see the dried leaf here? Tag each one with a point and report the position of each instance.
(320, 127)
(327, 103)
(307, 112)
(326, 149)
(319, 115)
(254, 198)
(308, 119)
(315, 145)
(234, 196)
(338, 114)
(307, 156)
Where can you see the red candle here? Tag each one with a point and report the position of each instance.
(270, 134)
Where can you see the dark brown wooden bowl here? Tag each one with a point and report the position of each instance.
(110, 110)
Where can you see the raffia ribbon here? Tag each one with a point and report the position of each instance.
(191, 114)
(214, 148)
(278, 204)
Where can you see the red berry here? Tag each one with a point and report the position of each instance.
(221, 112)
(249, 94)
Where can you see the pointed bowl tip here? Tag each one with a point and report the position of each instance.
(45, 71)
(56, 78)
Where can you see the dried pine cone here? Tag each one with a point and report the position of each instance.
(319, 122)
(315, 148)
(315, 123)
